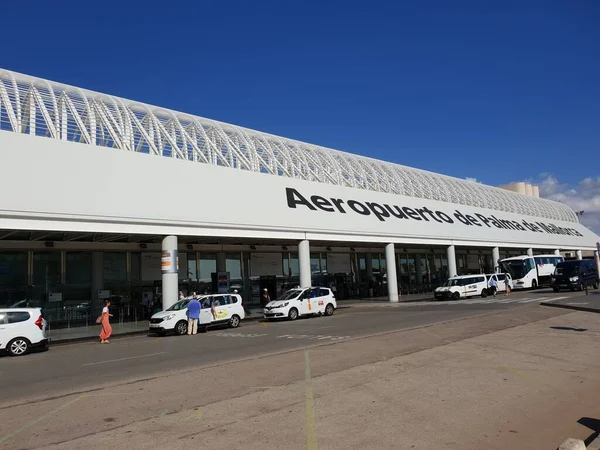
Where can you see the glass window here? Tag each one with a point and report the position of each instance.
(233, 265)
(233, 299)
(136, 266)
(15, 317)
(79, 268)
(13, 268)
(46, 268)
(192, 271)
(323, 262)
(314, 263)
(208, 265)
(294, 265)
(115, 266)
(323, 292)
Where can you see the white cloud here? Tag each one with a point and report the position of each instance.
(585, 196)
(474, 180)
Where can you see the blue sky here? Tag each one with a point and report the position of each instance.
(499, 91)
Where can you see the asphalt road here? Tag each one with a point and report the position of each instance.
(77, 367)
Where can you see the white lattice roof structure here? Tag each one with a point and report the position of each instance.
(43, 108)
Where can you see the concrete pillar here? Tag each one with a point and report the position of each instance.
(451, 256)
(495, 259)
(304, 264)
(597, 258)
(579, 255)
(97, 281)
(557, 252)
(221, 262)
(170, 280)
(529, 252)
(392, 277)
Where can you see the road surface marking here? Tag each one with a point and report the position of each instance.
(318, 337)
(124, 359)
(311, 436)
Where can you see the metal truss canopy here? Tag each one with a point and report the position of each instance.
(43, 108)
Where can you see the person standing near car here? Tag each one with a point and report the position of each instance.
(507, 282)
(493, 285)
(266, 298)
(193, 315)
(106, 327)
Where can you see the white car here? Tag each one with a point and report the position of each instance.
(217, 309)
(464, 286)
(22, 329)
(301, 302)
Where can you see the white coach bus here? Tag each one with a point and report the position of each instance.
(529, 272)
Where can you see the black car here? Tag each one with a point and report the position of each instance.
(575, 275)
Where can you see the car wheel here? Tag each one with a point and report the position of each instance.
(534, 285)
(484, 293)
(455, 296)
(293, 314)
(556, 289)
(329, 309)
(181, 327)
(235, 321)
(18, 346)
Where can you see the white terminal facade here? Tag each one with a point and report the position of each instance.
(101, 192)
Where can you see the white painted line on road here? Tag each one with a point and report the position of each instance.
(557, 298)
(541, 299)
(123, 359)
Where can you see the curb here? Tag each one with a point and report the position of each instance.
(573, 307)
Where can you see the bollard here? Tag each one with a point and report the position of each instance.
(572, 444)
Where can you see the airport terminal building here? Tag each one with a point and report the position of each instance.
(110, 198)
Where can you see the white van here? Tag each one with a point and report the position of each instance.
(301, 302)
(217, 309)
(21, 329)
(464, 286)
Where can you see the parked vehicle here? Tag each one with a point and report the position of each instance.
(501, 279)
(463, 286)
(575, 274)
(530, 272)
(301, 302)
(22, 329)
(227, 309)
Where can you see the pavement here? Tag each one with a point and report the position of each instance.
(456, 376)
(587, 303)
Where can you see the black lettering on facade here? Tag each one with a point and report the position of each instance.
(294, 198)
(411, 213)
(322, 203)
(359, 207)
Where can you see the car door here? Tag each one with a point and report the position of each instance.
(220, 305)
(304, 302)
(501, 286)
(322, 299)
(4, 338)
(206, 316)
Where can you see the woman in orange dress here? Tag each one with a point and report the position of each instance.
(106, 328)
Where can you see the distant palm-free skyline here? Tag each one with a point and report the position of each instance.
(493, 91)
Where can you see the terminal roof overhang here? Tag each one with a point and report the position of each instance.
(39, 107)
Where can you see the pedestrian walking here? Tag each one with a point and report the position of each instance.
(104, 320)
(181, 296)
(493, 285)
(193, 315)
(508, 284)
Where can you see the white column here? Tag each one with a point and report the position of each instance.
(170, 281)
(495, 258)
(529, 252)
(304, 263)
(597, 258)
(392, 277)
(557, 252)
(451, 255)
(579, 255)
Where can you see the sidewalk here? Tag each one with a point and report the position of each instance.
(587, 303)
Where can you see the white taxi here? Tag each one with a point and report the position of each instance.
(22, 329)
(217, 309)
(464, 286)
(301, 302)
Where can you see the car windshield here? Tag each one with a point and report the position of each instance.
(568, 270)
(179, 305)
(289, 295)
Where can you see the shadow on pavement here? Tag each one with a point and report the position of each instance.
(592, 424)
(570, 329)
